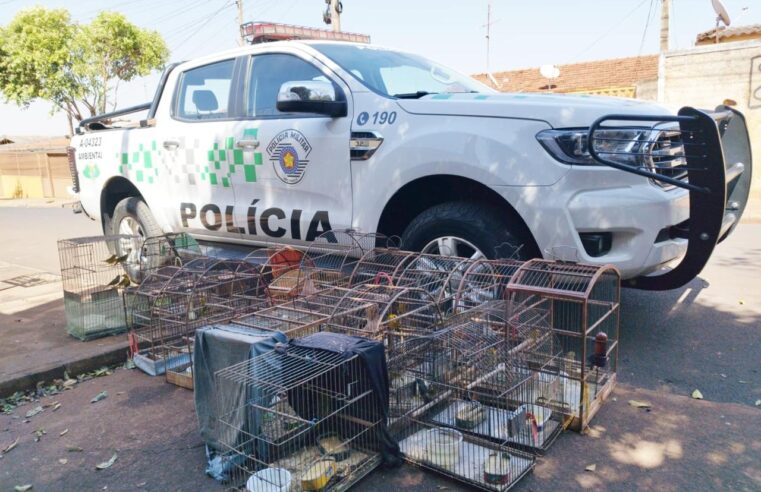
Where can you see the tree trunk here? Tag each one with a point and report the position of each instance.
(71, 124)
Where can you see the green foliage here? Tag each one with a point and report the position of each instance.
(44, 55)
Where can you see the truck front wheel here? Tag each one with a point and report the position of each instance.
(464, 229)
(132, 217)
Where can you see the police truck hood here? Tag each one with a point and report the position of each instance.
(559, 110)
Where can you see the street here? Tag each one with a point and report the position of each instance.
(705, 336)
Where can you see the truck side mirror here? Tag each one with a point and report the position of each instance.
(311, 96)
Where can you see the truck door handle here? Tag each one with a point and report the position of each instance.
(247, 144)
(170, 144)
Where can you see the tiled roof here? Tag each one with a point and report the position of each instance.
(25, 143)
(618, 72)
(729, 32)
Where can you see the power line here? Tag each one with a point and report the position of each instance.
(227, 4)
(612, 28)
(647, 24)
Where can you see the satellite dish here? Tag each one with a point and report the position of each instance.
(549, 71)
(721, 12)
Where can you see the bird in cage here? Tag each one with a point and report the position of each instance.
(114, 259)
(600, 356)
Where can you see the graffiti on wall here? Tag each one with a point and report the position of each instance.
(754, 98)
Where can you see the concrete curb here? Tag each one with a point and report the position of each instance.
(29, 381)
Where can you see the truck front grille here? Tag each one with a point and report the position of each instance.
(71, 155)
(667, 156)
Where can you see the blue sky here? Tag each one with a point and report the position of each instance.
(527, 33)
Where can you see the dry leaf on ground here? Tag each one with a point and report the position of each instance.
(591, 468)
(697, 394)
(640, 404)
(107, 464)
(100, 396)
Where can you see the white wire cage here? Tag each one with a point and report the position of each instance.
(299, 418)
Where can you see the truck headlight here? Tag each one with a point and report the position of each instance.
(625, 145)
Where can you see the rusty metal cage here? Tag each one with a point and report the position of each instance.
(380, 265)
(331, 257)
(173, 302)
(298, 418)
(394, 313)
(581, 305)
(483, 281)
(439, 275)
(93, 275)
(302, 316)
(157, 252)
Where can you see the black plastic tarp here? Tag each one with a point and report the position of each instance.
(373, 361)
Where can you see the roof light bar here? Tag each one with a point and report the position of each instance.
(263, 32)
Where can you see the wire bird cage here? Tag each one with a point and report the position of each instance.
(159, 252)
(171, 304)
(331, 258)
(458, 284)
(393, 313)
(371, 311)
(301, 316)
(93, 275)
(469, 376)
(478, 462)
(380, 265)
(308, 415)
(581, 306)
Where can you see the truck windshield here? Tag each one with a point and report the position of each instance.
(398, 74)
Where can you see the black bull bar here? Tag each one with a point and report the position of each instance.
(717, 161)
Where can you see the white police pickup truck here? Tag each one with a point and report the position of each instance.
(280, 142)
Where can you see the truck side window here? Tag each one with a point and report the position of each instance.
(268, 73)
(204, 92)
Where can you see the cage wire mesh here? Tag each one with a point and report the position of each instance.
(331, 258)
(380, 265)
(392, 313)
(93, 274)
(158, 252)
(302, 316)
(470, 377)
(298, 418)
(582, 306)
(483, 281)
(438, 275)
(168, 307)
(481, 463)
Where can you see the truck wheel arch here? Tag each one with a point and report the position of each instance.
(420, 194)
(115, 190)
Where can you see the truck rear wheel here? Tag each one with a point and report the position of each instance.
(133, 217)
(464, 229)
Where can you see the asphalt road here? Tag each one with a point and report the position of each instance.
(30, 235)
(704, 336)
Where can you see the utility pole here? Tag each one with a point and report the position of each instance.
(488, 32)
(239, 4)
(488, 25)
(335, 14)
(665, 12)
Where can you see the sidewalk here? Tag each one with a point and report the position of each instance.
(35, 344)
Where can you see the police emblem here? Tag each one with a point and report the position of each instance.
(288, 152)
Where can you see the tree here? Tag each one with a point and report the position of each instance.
(44, 55)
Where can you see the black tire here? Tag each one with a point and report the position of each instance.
(136, 209)
(478, 224)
